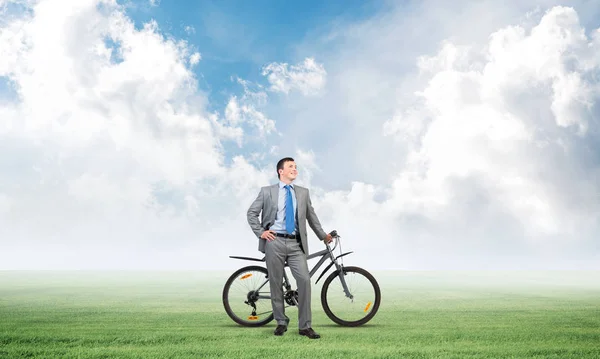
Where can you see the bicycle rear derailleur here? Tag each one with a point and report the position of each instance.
(252, 298)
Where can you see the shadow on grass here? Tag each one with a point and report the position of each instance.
(328, 325)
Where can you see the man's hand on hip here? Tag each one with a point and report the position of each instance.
(268, 235)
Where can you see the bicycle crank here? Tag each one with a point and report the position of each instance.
(291, 297)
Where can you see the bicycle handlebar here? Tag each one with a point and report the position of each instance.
(335, 236)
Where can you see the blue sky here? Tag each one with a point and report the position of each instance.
(237, 38)
(432, 134)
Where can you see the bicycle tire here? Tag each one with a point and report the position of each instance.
(339, 320)
(228, 309)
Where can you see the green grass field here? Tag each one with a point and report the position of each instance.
(180, 315)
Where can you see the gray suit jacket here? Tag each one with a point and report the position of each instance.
(267, 203)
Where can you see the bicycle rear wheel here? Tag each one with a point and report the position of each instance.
(244, 297)
(355, 311)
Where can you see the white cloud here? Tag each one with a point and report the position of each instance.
(493, 163)
(307, 164)
(253, 92)
(109, 158)
(195, 58)
(494, 142)
(154, 2)
(257, 119)
(232, 112)
(240, 116)
(308, 77)
(487, 121)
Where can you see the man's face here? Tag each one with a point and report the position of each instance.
(289, 171)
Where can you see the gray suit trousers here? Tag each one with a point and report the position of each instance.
(277, 252)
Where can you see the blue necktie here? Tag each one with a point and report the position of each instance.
(289, 211)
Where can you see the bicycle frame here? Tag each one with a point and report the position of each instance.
(324, 254)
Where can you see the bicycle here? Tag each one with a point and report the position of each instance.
(246, 291)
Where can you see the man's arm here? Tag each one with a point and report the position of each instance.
(312, 219)
(253, 213)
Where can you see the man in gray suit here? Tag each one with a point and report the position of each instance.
(281, 236)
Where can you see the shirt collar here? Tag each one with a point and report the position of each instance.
(281, 184)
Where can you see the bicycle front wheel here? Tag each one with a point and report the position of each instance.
(356, 309)
(246, 297)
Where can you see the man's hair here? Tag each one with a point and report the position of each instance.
(281, 163)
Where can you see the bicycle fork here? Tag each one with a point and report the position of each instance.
(342, 277)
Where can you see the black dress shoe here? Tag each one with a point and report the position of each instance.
(280, 330)
(309, 332)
